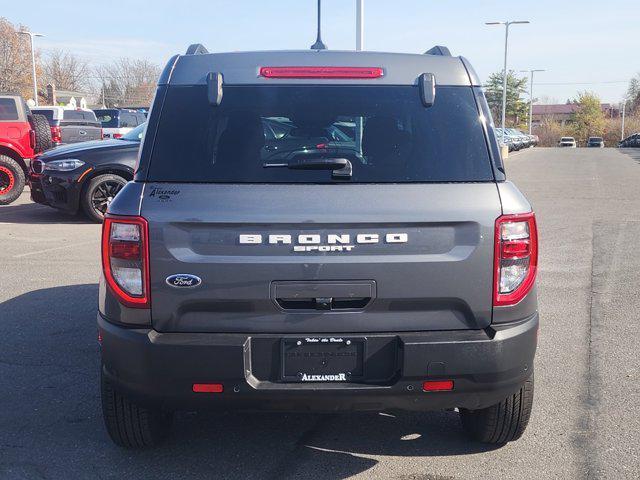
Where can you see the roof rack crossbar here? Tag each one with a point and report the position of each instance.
(196, 49)
(438, 50)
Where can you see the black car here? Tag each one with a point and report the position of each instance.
(86, 175)
(630, 141)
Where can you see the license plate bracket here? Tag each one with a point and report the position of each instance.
(322, 359)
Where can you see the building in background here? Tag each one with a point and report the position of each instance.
(562, 113)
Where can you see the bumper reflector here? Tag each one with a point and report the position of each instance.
(437, 386)
(208, 388)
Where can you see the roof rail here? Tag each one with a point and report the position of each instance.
(196, 49)
(438, 50)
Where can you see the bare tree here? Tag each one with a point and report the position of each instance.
(128, 82)
(15, 60)
(65, 70)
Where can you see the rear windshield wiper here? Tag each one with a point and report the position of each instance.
(341, 167)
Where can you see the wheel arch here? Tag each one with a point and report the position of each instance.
(13, 154)
(124, 172)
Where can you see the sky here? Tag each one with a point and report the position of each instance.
(583, 45)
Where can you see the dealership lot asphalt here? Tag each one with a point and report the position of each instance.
(585, 422)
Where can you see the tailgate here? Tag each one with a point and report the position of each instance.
(79, 131)
(321, 258)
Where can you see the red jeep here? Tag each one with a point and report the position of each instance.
(22, 135)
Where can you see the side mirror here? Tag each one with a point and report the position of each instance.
(427, 84)
(214, 88)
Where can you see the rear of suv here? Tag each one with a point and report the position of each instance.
(22, 135)
(318, 231)
(70, 124)
(118, 122)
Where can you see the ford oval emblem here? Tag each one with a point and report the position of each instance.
(183, 280)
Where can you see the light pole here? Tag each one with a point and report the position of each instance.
(33, 61)
(359, 25)
(531, 96)
(624, 105)
(506, 47)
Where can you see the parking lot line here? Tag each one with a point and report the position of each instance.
(38, 252)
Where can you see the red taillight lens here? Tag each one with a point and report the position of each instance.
(437, 386)
(125, 259)
(32, 138)
(116, 135)
(208, 388)
(56, 134)
(321, 72)
(516, 257)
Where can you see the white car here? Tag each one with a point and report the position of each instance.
(567, 142)
(116, 121)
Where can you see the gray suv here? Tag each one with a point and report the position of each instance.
(318, 231)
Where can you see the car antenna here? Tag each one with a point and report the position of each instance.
(318, 45)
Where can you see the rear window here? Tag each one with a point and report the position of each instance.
(384, 131)
(47, 113)
(79, 115)
(108, 118)
(8, 109)
(595, 139)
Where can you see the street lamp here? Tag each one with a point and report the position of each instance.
(504, 80)
(33, 61)
(624, 106)
(531, 96)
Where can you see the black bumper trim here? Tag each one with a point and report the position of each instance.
(160, 368)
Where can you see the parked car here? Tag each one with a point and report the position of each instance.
(630, 141)
(85, 176)
(22, 135)
(118, 122)
(400, 274)
(70, 124)
(567, 142)
(523, 139)
(597, 142)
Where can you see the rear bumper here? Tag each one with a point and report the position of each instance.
(160, 369)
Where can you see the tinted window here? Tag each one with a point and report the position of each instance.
(45, 112)
(108, 118)
(8, 109)
(127, 120)
(79, 115)
(385, 132)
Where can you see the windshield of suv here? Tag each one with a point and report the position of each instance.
(134, 135)
(108, 117)
(384, 131)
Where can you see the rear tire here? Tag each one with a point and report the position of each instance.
(98, 193)
(129, 425)
(503, 422)
(11, 180)
(41, 126)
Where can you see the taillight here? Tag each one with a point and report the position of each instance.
(516, 257)
(56, 134)
(116, 135)
(125, 259)
(32, 139)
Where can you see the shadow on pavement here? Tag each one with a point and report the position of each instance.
(34, 213)
(634, 153)
(52, 425)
